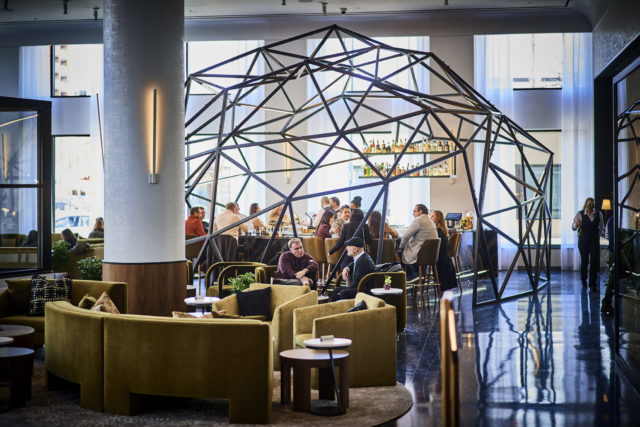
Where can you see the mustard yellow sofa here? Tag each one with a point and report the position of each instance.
(14, 301)
(372, 331)
(284, 300)
(117, 357)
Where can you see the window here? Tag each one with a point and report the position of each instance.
(536, 60)
(76, 70)
(25, 183)
(78, 184)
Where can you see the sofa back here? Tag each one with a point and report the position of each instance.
(19, 291)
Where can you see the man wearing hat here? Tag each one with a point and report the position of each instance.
(361, 266)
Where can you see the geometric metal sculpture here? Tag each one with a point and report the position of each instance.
(348, 85)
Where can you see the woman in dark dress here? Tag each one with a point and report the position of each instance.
(325, 225)
(446, 270)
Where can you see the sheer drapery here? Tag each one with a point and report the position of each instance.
(35, 80)
(577, 139)
(493, 79)
(403, 194)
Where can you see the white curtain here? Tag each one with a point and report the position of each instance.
(577, 139)
(493, 79)
(35, 68)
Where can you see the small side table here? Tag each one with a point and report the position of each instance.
(202, 302)
(302, 360)
(323, 299)
(325, 407)
(22, 335)
(20, 364)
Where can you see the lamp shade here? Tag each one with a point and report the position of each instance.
(606, 204)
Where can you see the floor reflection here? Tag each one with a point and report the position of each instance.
(540, 360)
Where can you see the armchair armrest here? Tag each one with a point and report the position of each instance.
(282, 323)
(228, 304)
(4, 304)
(303, 317)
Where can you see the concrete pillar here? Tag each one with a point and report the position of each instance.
(144, 235)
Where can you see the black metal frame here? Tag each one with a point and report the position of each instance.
(462, 105)
(44, 179)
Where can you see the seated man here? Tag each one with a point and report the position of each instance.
(421, 229)
(193, 224)
(295, 267)
(361, 266)
(228, 217)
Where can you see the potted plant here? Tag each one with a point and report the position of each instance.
(90, 268)
(59, 255)
(241, 282)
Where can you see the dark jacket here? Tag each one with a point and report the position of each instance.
(362, 267)
(348, 230)
(446, 271)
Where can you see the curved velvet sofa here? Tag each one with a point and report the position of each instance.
(115, 357)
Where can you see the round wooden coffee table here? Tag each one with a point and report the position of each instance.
(19, 361)
(302, 360)
(22, 335)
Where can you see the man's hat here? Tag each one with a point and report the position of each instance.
(355, 241)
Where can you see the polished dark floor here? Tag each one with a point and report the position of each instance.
(543, 360)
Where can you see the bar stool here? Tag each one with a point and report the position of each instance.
(427, 258)
(454, 252)
(314, 246)
(332, 259)
(388, 251)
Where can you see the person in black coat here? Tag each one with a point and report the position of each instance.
(348, 231)
(361, 265)
(446, 270)
(590, 227)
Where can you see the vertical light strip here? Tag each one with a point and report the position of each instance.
(153, 176)
(5, 163)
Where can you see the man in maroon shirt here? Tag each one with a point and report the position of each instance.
(296, 266)
(193, 224)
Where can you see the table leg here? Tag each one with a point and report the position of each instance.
(335, 381)
(285, 383)
(344, 383)
(20, 382)
(325, 384)
(302, 388)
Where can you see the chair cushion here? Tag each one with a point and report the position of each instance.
(105, 304)
(87, 302)
(362, 305)
(372, 302)
(43, 291)
(301, 338)
(255, 303)
(223, 315)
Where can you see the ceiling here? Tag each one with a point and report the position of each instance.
(21, 11)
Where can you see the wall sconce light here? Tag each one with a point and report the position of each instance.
(606, 205)
(153, 176)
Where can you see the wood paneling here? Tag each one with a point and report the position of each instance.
(154, 288)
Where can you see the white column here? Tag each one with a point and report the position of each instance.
(143, 51)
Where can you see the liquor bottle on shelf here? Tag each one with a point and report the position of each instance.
(445, 169)
(434, 145)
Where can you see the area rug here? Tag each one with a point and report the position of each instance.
(367, 407)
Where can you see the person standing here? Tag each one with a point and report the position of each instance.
(335, 205)
(421, 229)
(325, 225)
(341, 219)
(589, 224)
(349, 230)
(326, 206)
(256, 222)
